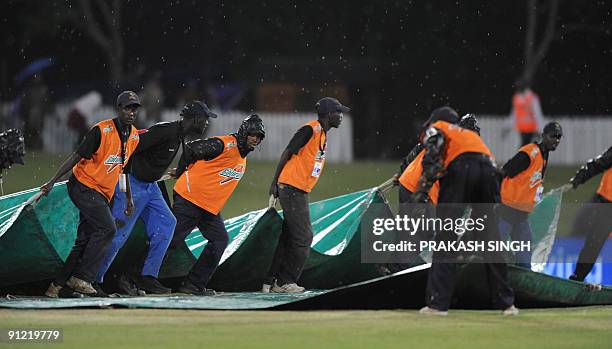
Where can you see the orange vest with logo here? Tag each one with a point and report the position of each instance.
(101, 172)
(302, 171)
(524, 117)
(459, 140)
(209, 184)
(605, 186)
(411, 175)
(525, 189)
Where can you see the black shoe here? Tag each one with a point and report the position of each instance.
(99, 291)
(125, 285)
(189, 288)
(151, 285)
(67, 292)
(576, 278)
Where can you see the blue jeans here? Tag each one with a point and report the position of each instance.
(517, 231)
(157, 217)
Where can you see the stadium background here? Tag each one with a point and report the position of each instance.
(392, 61)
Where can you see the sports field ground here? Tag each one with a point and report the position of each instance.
(337, 179)
(589, 327)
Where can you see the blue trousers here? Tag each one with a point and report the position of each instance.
(517, 231)
(157, 217)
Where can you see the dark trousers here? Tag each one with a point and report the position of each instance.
(408, 208)
(514, 226)
(189, 216)
(294, 243)
(601, 225)
(405, 195)
(94, 234)
(470, 178)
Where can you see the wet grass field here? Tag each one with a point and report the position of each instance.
(588, 327)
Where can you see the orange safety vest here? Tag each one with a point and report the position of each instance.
(525, 189)
(524, 117)
(209, 184)
(411, 175)
(459, 140)
(605, 186)
(303, 169)
(101, 172)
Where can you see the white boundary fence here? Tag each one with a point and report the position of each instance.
(280, 127)
(584, 137)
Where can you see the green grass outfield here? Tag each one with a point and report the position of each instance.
(337, 179)
(589, 327)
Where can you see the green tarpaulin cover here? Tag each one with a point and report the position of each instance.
(403, 290)
(34, 242)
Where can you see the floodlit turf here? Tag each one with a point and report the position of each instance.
(589, 327)
(337, 179)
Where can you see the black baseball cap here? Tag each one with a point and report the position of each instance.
(447, 114)
(330, 105)
(126, 98)
(197, 108)
(554, 129)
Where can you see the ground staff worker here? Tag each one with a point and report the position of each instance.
(214, 166)
(298, 170)
(411, 167)
(600, 215)
(526, 113)
(96, 167)
(157, 148)
(522, 187)
(409, 178)
(411, 170)
(469, 177)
